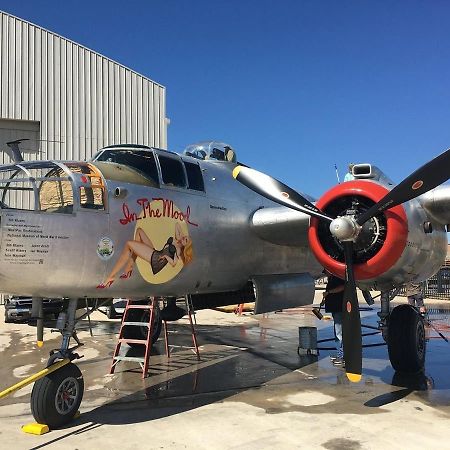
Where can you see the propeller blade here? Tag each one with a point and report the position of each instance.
(351, 322)
(276, 191)
(427, 177)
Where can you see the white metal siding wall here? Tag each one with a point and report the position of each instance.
(82, 100)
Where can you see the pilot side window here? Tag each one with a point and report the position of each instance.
(172, 171)
(195, 178)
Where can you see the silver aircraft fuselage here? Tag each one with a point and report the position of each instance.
(69, 252)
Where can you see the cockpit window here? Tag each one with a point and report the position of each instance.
(212, 150)
(56, 193)
(50, 187)
(195, 178)
(141, 160)
(92, 193)
(172, 171)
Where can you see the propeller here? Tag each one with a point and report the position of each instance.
(351, 321)
(346, 229)
(427, 177)
(276, 191)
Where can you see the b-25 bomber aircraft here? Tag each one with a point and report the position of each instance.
(139, 222)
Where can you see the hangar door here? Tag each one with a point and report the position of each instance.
(11, 130)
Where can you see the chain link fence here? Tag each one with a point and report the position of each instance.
(437, 286)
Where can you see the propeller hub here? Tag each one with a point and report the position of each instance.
(344, 228)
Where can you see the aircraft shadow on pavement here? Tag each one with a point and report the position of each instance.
(225, 372)
(244, 361)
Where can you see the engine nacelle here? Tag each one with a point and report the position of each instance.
(394, 247)
(269, 292)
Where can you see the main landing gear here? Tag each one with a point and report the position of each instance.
(404, 331)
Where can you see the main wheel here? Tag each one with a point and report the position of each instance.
(406, 339)
(135, 332)
(55, 399)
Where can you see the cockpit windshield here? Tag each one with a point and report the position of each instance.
(143, 161)
(219, 151)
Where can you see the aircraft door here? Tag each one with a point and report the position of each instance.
(93, 228)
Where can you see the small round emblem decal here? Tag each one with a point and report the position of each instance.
(418, 184)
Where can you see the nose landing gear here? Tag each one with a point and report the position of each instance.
(56, 397)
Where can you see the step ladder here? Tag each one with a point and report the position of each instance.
(190, 312)
(143, 361)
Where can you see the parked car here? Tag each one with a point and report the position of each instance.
(116, 309)
(18, 308)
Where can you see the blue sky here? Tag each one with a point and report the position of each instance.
(294, 86)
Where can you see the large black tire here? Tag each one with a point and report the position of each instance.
(7, 317)
(55, 399)
(135, 332)
(406, 340)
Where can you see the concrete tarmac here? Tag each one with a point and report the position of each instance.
(251, 389)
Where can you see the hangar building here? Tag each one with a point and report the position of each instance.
(70, 101)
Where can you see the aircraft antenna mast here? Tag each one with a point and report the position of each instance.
(337, 174)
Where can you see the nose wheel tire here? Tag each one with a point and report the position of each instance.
(55, 399)
(406, 340)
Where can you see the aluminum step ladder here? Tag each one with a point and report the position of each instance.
(143, 361)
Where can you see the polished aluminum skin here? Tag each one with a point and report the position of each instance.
(61, 256)
(236, 235)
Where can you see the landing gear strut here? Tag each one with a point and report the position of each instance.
(55, 398)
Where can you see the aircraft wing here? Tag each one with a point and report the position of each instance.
(282, 226)
(437, 204)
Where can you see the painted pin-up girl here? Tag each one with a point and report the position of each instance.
(174, 249)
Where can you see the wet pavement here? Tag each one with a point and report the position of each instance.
(250, 389)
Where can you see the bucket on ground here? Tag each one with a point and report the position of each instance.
(307, 341)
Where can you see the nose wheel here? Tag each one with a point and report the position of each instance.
(55, 399)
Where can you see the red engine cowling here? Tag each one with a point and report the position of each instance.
(381, 242)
